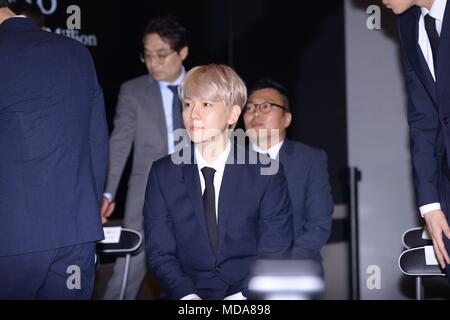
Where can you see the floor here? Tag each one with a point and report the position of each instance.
(149, 289)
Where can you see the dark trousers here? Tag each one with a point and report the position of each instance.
(63, 273)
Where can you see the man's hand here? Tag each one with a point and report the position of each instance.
(437, 224)
(107, 209)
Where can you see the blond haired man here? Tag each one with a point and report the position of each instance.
(208, 219)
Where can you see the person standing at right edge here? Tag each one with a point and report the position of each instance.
(425, 38)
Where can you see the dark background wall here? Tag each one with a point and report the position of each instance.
(304, 49)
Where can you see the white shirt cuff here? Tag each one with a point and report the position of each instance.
(108, 196)
(429, 207)
(236, 296)
(190, 297)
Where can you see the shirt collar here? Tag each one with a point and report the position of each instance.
(18, 16)
(437, 10)
(218, 164)
(272, 151)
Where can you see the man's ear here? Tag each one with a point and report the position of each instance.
(287, 119)
(184, 53)
(234, 115)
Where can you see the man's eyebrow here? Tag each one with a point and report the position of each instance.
(157, 50)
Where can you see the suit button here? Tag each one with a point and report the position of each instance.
(445, 120)
(218, 269)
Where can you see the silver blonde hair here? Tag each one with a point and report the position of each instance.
(215, 82)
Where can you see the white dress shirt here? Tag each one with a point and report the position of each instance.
(272, 152)
(437, 12)
(219, 166)
(167, 100)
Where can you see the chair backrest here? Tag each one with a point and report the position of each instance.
(416, 237)
(413, 262)
(130, 242)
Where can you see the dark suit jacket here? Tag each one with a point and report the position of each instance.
(53, 141)
(306, 173)
(429, 104)
(254, 220)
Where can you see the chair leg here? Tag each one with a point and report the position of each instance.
(419, 288)
(97, 260)
(125, 277)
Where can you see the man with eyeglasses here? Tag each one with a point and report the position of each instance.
(147, 114)
(266, 117)
(209, 217)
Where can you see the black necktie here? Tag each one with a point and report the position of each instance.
(209, 206)
(433, 36)
(177, 120)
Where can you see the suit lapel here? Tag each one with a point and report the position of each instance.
(227, 194)
(415, 53)
(192, 181)
(286, 151)
(443, 57)
(154, 105)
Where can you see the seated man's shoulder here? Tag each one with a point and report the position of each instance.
(164, 163)
(174, 162)
(305, 150)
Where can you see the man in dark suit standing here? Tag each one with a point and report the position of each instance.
(424, 29)
(207, 218)
(147, 114)
(266, 117)
(54, 147)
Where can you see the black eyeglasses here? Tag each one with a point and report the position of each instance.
(264, 107)
(159, 57)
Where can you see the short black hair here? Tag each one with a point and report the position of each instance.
(4, 3)
(31, 11)
(268, 83)
(170, 29)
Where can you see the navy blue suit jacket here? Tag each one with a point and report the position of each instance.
(53, 141)
(429, 104)
(254, 220)
(306, 173)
